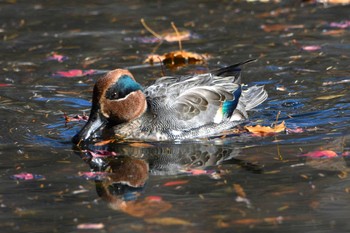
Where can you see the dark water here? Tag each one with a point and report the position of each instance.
(284, 192)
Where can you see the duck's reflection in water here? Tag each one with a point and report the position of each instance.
(125, 175)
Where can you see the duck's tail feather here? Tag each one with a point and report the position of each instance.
(232, 70)
(254, 96)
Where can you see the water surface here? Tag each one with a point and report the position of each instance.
(302, 51)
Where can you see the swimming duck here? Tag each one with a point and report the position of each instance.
(173, 108)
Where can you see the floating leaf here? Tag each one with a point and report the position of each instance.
(197, 172)
(167, 221)
(177, 58)
(336, 82)
(104, 142)
(141, 145)
(73, 73)
(56, 57)
(343, 24)
(175, 183)
(259, 130)
(94, 226)
(337, 32)
(76, 118)
(321, 154)
(93, 175)
(311, 47)
(280, 27)
(329, 97)
(102, 153)
(250, 221)
(27, 176)
(5, 84)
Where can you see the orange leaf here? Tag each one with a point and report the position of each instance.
(239, 190)
(266, 130)
(141, 145)
(104, 142)
(175, 183)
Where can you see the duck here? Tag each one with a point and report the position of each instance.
(173, 108)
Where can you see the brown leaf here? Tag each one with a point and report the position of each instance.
(280, 27)
(177, 58)
(239, 190)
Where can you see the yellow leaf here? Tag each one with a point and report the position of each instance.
(167, 221)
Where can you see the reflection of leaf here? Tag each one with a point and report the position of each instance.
(177, 58)
(148, 207)
(27, 176)
(266, 130)
(167, 221)
(73, 73)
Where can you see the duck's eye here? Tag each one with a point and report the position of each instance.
(112, 94)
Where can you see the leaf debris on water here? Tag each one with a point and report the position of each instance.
(94, 226)
(259, 130)
(167, 221)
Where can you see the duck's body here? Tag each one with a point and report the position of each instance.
(173, 108)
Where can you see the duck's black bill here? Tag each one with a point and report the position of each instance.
(96, 122)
